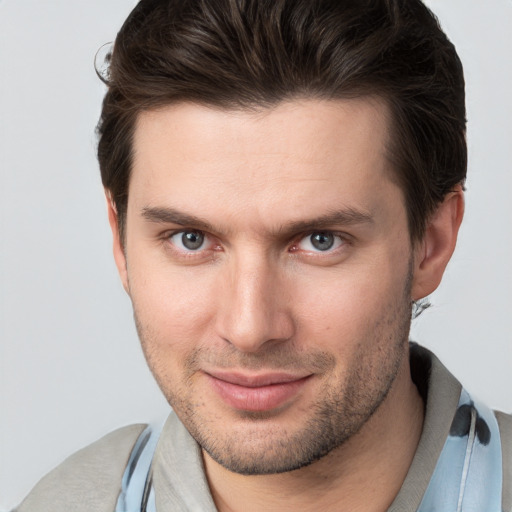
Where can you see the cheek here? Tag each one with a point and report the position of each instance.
(343, 306)
(173, 314)
(175, 306)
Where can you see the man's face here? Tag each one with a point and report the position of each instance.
(269, 264)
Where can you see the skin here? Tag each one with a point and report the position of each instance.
(255, 297)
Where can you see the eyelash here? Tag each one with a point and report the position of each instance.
(343, 238)
(167, 236)
(340, 240)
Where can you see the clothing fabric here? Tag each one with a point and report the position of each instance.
(457, 433)
(468, 476)
(137, 492)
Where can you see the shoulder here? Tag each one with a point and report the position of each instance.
(88, 480)
(505, 424)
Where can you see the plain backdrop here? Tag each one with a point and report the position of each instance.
(70, 364)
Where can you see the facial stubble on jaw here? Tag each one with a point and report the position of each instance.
(255, 444)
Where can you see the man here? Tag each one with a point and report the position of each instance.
(285, 185)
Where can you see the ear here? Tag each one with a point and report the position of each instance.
(434, 251)
(118, 248)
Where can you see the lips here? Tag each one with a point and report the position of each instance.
(256, 393)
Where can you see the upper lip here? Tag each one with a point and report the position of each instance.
(255, 380)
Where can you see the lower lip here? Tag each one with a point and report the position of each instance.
(258, 399)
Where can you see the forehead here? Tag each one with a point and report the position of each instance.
(299, 153)
(322, 124)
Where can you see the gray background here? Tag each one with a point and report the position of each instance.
(70, 364)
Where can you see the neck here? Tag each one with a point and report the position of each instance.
(365, 473)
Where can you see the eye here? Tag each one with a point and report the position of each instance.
(188, 241)
(320, 241)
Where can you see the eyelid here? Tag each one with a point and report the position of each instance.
(209, 243)
(344, 238)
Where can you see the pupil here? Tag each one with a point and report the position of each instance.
(192, 239)
(322, 241)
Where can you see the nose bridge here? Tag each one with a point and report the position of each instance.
(253, 310)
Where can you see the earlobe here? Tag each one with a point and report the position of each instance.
(118, 249)
(435, 250)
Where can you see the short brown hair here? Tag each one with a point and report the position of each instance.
(238, 54)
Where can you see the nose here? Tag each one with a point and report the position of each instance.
(253, 305)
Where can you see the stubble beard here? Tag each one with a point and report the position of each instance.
(257, 445)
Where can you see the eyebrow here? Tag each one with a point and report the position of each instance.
(165, 215)
(344, 217)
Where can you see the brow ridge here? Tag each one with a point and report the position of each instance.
(343, 217)
(166, 215)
